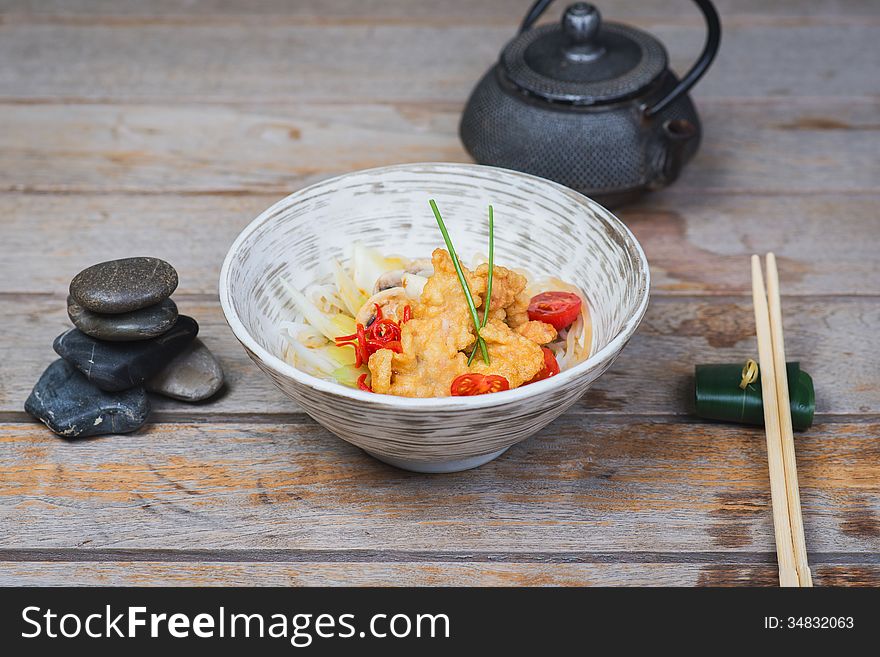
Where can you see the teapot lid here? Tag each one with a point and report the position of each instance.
(583, 61)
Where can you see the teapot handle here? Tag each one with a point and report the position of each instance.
(710, 49)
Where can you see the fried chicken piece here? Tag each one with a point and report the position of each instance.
(442, 328)
(380, 370)
(511, 355)
(537, 332)
(507, 285)
(433, 339)
(518, 311)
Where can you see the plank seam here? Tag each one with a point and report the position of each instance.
(394, 556)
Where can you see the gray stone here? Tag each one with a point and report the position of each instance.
(120, 286)
(143, 324)
(193, 375)
(72, 407)
(117, 366)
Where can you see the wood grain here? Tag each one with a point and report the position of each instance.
(582, 486)
(679, 232)
(164, 127)
(381, 63)
(653, 375)
(162, 573)
(810, 147)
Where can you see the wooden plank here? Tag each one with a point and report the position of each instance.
(775, 148)
(653, 375)
(583, 487)
(680, 235)
(700, 245)
(338, 63)
(196, 148)
(409, 11)
(135, 573)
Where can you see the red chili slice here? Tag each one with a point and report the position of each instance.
(384, 330)
(363, 354)
(551, 367)
(393, 345)
(558, 309)
(407, 314)
(362, 383)
(383, 333)
(467, 385)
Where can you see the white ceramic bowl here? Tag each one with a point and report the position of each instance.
(540, 226)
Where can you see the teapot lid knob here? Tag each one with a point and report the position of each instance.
(580, 24)
(582, 60)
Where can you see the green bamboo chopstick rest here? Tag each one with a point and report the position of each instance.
(718, 395)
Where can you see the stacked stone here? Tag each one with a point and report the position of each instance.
(129, 339)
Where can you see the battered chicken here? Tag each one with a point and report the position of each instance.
(507, 285)
(511, 355)
(442, 329)
(538, 332)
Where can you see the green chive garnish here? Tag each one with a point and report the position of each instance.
(489, 281)
(464, 286)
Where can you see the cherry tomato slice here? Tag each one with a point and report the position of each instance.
(495, 383)
(551, 367)
(467, 385)
(558, 309)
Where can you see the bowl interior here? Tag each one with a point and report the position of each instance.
(542, 227)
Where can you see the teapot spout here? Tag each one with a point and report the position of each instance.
(677, 145)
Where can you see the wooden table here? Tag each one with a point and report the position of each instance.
(133, 128)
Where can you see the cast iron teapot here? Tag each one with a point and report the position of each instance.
(591, 105)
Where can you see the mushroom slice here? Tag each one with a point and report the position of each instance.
(397, 277)
(423, 267)
(388, 280)
(392, 302)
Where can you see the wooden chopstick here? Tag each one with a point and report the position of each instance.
(778, 498)
(787, 435)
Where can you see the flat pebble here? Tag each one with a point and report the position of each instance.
(117, 366)
(193, 375)
(120, 286)
(142, 324)
(72, 407)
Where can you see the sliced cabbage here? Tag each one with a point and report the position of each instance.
(325, 297)
(321, 361)
(368, 264)
(331, 326)
(313, 361)
(348, 375)
(305, 333)
(348, 291)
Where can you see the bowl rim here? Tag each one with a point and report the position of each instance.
(281, 367)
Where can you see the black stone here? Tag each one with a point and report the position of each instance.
(194, 375)
(117, 366)
(120, 286)
(72, 407)
(143, 324)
